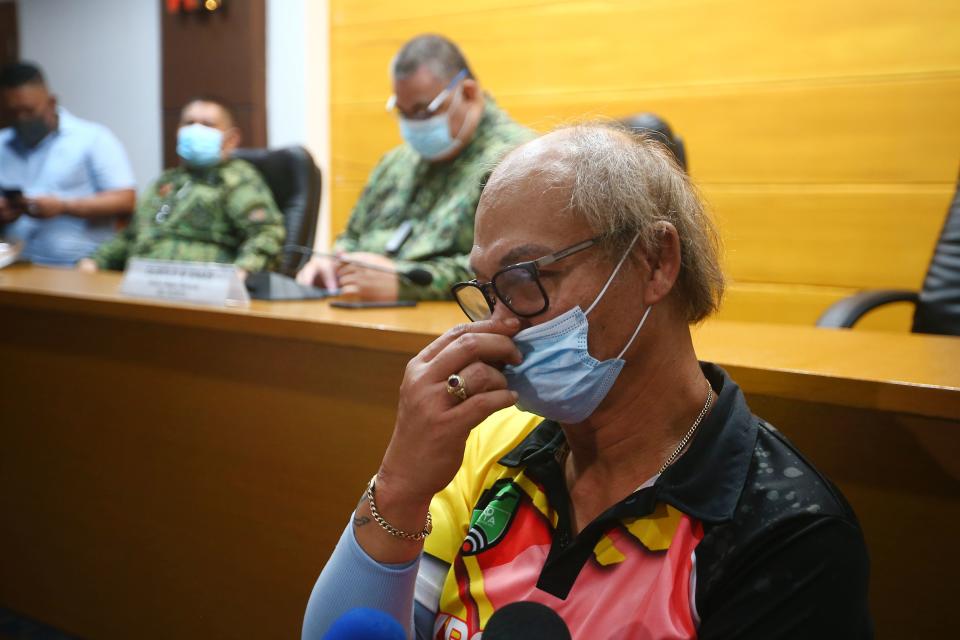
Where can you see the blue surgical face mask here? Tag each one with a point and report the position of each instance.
(199, 145)
(431, 138)
(558, 378)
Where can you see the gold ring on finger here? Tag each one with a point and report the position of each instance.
(457, 386)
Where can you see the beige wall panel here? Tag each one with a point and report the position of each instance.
(859, 133)
(854, 238)
(560, 47)
(800, 304)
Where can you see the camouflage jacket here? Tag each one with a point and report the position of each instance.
(223, 214)
(439, 199)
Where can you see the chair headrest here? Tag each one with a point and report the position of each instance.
(652, 125)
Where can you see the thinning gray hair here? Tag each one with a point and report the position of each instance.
(437, 53)
(625, 184)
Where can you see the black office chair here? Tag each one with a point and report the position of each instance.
(650, 124)
(295, 181)
(936, 307)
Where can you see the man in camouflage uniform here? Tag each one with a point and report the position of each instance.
(417, 208)
(209, 209)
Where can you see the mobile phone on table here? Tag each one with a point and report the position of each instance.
(371, 304)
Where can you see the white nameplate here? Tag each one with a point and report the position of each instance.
(195, 282)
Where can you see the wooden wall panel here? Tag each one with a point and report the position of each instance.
(550, 46)
(753, 135)
(9, 33)
(787, 235)
(9, 46)
(223, 55)
(800, 304)
(824, 135)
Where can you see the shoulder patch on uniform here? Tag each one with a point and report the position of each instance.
(257, 215)
(164, 189)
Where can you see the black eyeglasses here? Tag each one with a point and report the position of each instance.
(517, 286)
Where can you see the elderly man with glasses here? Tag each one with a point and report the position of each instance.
(417, 209)
(630, 492)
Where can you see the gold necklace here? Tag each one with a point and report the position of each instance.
(686, 438)
(562, 452)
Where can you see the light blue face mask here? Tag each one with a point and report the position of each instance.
(199, 145)
(558, 378)
(430, 137)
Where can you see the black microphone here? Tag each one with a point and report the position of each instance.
(417, 276)
(363, 623)
(526, 621)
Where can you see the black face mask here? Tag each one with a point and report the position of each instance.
(32, 131)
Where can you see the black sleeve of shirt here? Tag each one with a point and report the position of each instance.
(805, 578)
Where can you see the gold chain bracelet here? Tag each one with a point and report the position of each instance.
(389, 528)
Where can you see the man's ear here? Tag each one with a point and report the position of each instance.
(471, 89)
(51, 115)
(663, 264)
(232, 138)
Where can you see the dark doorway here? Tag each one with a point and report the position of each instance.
(220, 54)
(9, 43)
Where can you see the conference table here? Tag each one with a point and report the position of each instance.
(176, 471)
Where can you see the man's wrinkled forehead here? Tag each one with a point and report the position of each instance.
(546, 158)
(521, 211)
(533, 173)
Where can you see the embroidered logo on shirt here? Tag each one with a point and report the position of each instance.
(490, 522)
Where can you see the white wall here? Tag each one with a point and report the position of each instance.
(286, 72)
(102, 60)
(298, 91)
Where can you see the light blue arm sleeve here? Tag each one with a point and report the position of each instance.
(353, 579)
(109, 163)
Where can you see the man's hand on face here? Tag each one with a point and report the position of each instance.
(8, 213)
(357, 282)
(45, 207)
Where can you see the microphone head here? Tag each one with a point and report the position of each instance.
(420, 277)
(526, 620)
(363, 623)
